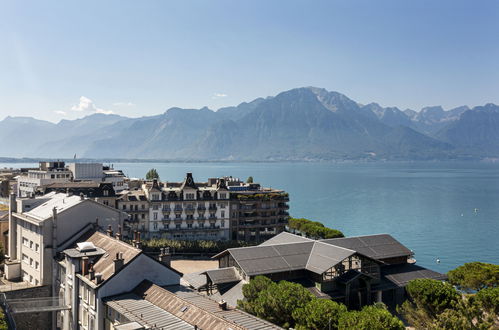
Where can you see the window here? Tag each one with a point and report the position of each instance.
(177, 226)
(223, 195)
(166, 226)
(31, 262)
(143, 216)
(222, 205)
(189, 196)
(124, 206)
(155, 197)
(155, 207)
(222, 214)
(25, 241)
(178, 216)
(25, 259)
(155, 226)
(222, 223)
(189, 225)
(37, 247)
(155, 216)
(106, 192)
(106, 203)
(36, 264)
(201, 225)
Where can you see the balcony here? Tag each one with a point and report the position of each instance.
(189, 210)
(178, 209)
(212, 208)
(201, 217)
(202, 208)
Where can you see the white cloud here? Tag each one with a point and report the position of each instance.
(60, 112)
(106, 112)
(124, 104)
(87, 104)
(219, 95)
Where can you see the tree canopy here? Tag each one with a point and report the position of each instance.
(432, 295)
(152, 174)
(373, 317)
(313, 229)
(475, 276)
(319, 314)
(249, 179)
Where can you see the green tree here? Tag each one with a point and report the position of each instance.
(432, 295)
(249, 179)
(488, 300)
(277, 302)
(428, 299)
(152, 174)
(475, 276)
(373, 317)
(251, 291)
(319, 314)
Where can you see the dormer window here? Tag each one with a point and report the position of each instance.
(189, 196)
(155, 197)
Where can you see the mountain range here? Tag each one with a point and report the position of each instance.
(300, 124)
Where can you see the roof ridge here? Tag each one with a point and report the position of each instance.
(119, 241)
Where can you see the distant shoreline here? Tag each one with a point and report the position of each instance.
(166, 161)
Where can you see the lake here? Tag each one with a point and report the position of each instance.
(448, 211)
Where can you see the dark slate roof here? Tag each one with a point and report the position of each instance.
(256, 260)
(223, 275)
(196, 280)
(377, 247)
(324, 256)
(401, 274)
(284, 238)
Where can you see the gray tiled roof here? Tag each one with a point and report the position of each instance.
(324, 256)
(285, 238)
(223, 275)
(401, 274)
(146, 313)
(374, 246)
(269, 259)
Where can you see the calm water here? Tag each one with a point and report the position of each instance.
(430, 207)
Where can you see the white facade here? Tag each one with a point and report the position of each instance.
(86, 171)
(37, 227)
(27, 184)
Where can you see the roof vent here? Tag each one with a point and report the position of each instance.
(86, 246)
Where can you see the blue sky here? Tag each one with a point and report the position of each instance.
(67, 59)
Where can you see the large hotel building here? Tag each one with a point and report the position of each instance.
(219, 209)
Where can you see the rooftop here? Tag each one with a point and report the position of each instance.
(60, 201)
(378, 246)
(179, 304)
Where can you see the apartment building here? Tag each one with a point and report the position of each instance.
(47, 173)
(58, 172)
(219, 209)
(96, 265)
(39, 226)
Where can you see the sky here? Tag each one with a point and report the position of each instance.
(67, 59)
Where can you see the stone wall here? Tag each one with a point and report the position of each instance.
(30, 321)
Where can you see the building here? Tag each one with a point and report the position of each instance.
(57, 172)
(219, 209)
(100, 192)
(355, 270)
(94, 266)
(47, 173)
(38, 227)
(150, 306)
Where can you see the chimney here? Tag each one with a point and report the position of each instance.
(98, 278)
(91, 272)
(222, 304)
(109, 231)
(138, 243)
(165, 257)
(84, 266)
(118, 262)
(118, 234)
